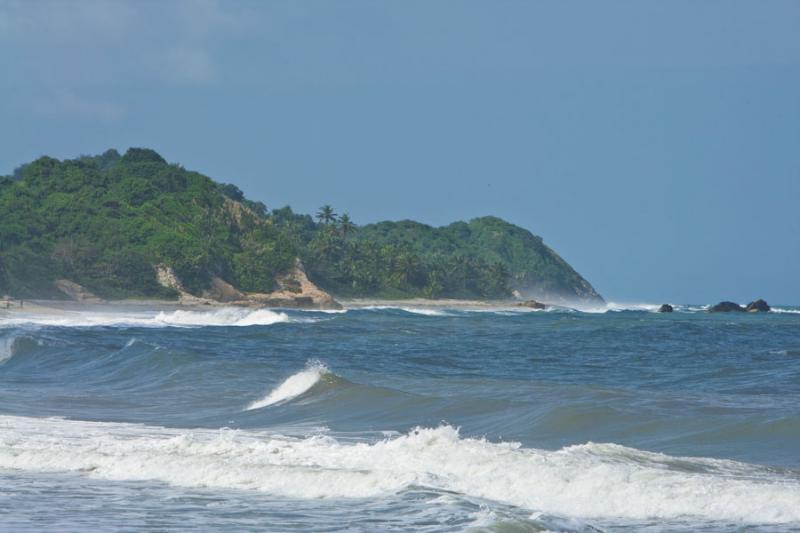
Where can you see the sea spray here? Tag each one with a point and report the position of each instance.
(293, 386)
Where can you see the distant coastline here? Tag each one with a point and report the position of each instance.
(112, 226)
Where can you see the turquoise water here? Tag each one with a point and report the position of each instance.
(400, 418)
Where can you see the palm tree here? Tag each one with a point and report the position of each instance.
(326, 215)
(406, 266)
(345, 224)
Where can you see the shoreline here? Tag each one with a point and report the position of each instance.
(139, 305)
(352, 303)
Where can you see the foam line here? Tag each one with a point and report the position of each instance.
(583, 481)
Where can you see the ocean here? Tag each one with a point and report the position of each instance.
(399, 418)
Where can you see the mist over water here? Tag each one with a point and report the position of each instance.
(407, 417)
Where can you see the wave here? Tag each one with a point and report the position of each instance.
(228, 316)
(223, 317)
(616, 306)
(7, 348)
(784, 310)
(587, 481)
(413, 310)
(293, 386)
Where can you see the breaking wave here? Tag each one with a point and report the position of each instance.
(7, 348)
(227, 316)
(293, 386)
(587, 481)
(784, 310)
(413, 310)
(615, 306)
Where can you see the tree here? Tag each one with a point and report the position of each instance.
(326, 215)
(345, 224)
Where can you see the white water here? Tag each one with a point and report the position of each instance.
(588, 481)
(631, 306)
(226, 316)
(293, 386)
(414, 310)
(6, 348)
(790, 311)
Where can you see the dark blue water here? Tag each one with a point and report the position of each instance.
(387, 418)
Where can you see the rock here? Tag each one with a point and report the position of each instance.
(758, 305)
(166, 277)
(296, 290)
(665, 308)
(532, 304)
(726, 307)
(77, 292)
(222, 291)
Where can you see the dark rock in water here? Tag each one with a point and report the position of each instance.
(665, 308)
(758, 305)
(726, 307)
(533, 304)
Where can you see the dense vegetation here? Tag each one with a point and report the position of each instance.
(104, 221)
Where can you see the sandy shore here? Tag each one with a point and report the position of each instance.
(54, 306)
(61, 306)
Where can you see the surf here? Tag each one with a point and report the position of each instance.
(590, 480)
(226, 316)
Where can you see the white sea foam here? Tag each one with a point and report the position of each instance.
(7, 348)
(226, 316)
(784, 310)
(223, 317)
(631, 306)
(585, 481)
(293, 386)
(427, 311)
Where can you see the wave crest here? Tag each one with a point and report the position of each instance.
(425, 311)
(587, 481)
(226, 316)
(293, 386)
(7, 348)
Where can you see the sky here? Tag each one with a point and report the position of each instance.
(654, 145)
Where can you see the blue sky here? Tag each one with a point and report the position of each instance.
(655, 145)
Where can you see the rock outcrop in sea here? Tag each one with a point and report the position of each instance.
(727, 307)
(758, 305)
(665, 308)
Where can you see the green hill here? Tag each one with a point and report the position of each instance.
(104, 221)
(534, 269)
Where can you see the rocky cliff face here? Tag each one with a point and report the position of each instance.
(166, 277)
(76, 292)
(295, 290)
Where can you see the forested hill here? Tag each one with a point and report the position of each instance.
(105, 221)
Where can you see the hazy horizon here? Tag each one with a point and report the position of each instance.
(652, 146)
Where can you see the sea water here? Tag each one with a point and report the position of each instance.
(400, 418)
